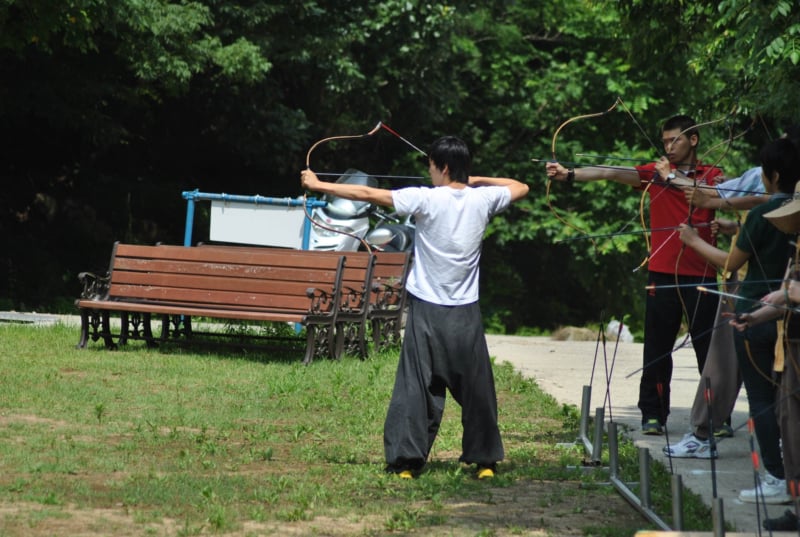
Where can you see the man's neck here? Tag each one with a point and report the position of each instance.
(687, 164)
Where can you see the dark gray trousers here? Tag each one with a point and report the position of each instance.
(444, 347)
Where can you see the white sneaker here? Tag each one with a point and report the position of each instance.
(690, 447)
(772, 491)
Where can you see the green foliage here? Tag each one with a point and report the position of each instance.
(111, 109)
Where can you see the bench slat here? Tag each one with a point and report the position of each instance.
(193, 311)
(232, 269)
(269, 257)
(130, 279)
(218, 298)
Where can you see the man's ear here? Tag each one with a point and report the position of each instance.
(693, 139)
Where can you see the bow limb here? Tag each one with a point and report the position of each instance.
(576, 118)
(340, 137)
(729, 141)
(558, 130)
(734, 238)
(645, 231)
(308, 166)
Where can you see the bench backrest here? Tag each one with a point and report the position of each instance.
(224, 278)
(389, 279)
(356, 276)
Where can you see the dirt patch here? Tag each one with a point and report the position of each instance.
(533, 508)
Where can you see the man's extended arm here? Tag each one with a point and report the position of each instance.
(518, 189)
(720, 258)
(625, 175)
(377, 196)
(699, 197)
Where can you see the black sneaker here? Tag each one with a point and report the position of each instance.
(786, 522)
(726, 431)
(652, 427)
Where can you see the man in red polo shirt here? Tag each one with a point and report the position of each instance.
(673, 270)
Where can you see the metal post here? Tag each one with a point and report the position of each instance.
(599, 418)
(586, 400)
(644, 477)
(718, 517)
(613, 451)
(644, 467)
(310, 202)
(187, 233)
(677, 502)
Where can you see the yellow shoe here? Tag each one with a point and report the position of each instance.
(405, 474)
(485, 473)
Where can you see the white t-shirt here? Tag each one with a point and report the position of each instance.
(447, 242)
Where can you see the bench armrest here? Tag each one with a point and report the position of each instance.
(388, 295)
(321, 301)
(95, 287)
(353, 299)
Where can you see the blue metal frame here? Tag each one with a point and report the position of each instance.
(192, 196)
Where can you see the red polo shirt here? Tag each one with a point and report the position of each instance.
(668, 209)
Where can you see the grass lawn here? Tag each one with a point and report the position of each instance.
(185, 442)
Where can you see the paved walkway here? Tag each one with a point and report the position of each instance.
(563, 368)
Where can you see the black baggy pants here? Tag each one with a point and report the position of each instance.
(444, 347)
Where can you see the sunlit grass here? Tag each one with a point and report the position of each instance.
(214, 441)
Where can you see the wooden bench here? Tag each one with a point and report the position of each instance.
(351, 315)
(178, 282)
(388, 297)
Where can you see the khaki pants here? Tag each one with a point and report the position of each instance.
(723, 372)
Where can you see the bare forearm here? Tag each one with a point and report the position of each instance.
(518, 188)
(742, 203)
(626, 176)
(378, 196)
(762, 315)
(479, 180)
(710, 253)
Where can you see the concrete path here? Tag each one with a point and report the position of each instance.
(563, 368)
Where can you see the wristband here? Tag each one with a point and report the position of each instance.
(570, 175)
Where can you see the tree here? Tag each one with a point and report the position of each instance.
(111, 109)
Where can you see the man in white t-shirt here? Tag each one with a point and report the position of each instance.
(444, 346)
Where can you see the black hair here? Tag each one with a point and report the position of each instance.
(781, 156)
(792, 132)
(452, 152)
(684, 124)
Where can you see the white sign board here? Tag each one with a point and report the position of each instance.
(261, 224)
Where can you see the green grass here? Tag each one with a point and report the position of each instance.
(177, 442)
